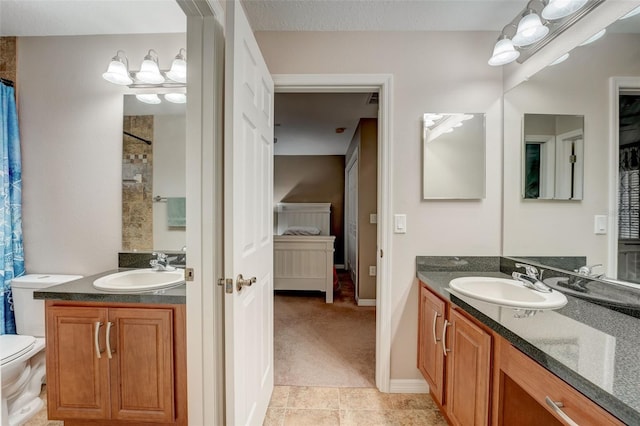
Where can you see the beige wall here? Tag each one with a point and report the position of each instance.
(71, 135)
(578, 86)
(445, 72)
(367, 204)
(313, 179)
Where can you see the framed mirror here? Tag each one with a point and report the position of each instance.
(553, 157)
(453, 164)
(153, 175)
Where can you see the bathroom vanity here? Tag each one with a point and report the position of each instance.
(487, 364)
(115, 358)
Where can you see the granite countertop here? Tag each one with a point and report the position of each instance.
(591, 347)
(82, 290)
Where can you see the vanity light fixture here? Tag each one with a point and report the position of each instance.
(537, 24)
(118, 70)
(558, 9)
(150, 74)
(176, 98)
(148, 98)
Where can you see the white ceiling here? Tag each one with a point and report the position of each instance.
(306, 123)
(83, 17)
(381, 15)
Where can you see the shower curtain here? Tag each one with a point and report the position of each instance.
(10, 206)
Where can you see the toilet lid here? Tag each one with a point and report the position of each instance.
(13, 346)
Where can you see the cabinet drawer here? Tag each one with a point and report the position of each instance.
(540, 384)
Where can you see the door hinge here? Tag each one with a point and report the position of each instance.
(188, 274)
(227, 283)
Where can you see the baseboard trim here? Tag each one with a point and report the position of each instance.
(366, 302)
(408, 386)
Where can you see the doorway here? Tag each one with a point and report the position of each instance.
(382, 84)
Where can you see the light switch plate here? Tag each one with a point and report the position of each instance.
(600, 224)
(372, 271)
(400, 223)
(373, 218)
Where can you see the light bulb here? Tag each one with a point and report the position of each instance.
(118, 70)
(558, 9)
(530, 30)
(503, 53)
(149, 70)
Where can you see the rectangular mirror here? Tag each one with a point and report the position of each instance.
(153, 175)
(453, 156)
(553, 157)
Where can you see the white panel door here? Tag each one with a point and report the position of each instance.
(248, 223)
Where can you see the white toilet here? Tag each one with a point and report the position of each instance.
(22, 355)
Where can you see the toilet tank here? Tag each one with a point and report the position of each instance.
(29, 312)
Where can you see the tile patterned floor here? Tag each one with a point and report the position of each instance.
(319, 406)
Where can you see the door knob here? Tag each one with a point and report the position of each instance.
(241, 282)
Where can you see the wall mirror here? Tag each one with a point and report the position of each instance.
(453, 164)
(579, 86)
(153, 175)
(553, 156)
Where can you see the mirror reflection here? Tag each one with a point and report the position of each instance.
(599, 81)
(153, 176)
(553, 156)
(453, 156)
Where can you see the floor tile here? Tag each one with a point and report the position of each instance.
(279, 396)
(313, 398)
(364, 399)
(412, 401)
(295, 417)
(274, 417)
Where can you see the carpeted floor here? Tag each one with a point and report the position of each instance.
(320, 344)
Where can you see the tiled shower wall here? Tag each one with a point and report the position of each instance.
(137, 202)
(8, 58)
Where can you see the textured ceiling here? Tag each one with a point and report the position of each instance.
(381, 15)
(78, 17)
(85, 17)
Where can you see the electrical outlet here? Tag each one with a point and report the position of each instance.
(372, 271)
(373, 218)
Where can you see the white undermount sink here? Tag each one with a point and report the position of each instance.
(507, 292)
(138, 280)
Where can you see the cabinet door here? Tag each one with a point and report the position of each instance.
(77, 366)
(142, 364)
(430, 354)
(468, 372)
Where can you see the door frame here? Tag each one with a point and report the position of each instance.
(383, 84)
(616, 85)
(351, 163)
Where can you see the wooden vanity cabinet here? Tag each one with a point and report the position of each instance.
(430, 354)
(108, 364)
(468, 371)
(523, 387)
(454, 356)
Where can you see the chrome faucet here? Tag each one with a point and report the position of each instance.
(161, 262)
(588, 270)
(530, 279)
